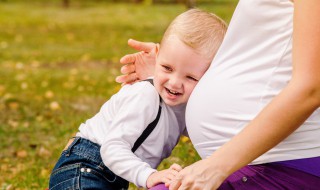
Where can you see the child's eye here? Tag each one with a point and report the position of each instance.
(192, 78)
(167, 68)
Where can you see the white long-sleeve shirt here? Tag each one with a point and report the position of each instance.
(120, 122)
(252, 66)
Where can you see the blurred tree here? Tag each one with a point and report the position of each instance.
(190, 3)
(66, 3)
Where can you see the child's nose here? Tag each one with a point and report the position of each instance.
(175, 82)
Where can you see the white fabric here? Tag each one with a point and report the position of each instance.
(122, 120)
(252, 66)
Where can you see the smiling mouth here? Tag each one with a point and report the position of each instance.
(173, 92)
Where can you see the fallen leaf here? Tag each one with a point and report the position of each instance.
(43, 152)
(44, 172)
(22, 153)
(9, 187)
(49, 94)
(54, 106)
(13, 105)
(24, 85)
(13, 123)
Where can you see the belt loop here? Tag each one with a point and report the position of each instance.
(75, 140)
(101, 166)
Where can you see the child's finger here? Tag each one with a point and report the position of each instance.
(167, 184)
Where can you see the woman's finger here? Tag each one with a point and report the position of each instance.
(127, 79)
(175, 183)
(127, 69)
(183, 187)
(130, 58)
(170, 176)
(141, 46)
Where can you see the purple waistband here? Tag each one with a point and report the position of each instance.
(308, 165)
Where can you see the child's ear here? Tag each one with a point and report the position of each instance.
(157, 49)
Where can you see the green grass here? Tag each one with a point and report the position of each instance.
(57, 67)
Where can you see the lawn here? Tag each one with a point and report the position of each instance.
(57, 67)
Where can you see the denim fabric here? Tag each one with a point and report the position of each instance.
(80, 167)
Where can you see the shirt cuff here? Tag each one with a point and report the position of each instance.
(143, 177)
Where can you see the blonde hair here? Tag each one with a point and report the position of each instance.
(198, 29)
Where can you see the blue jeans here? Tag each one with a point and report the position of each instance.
(80, 167)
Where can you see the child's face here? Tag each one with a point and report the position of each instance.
(178, 70)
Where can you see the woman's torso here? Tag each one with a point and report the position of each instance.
(252, 66)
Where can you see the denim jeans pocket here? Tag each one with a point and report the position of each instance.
(102, 174)
(95, 178)
(66, 178)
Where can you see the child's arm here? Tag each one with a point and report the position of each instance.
(135, 107)
(163, 176)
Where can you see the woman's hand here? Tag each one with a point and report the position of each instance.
(163, 176)
(202, 175)
(140, 65)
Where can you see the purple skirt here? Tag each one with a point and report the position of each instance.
(273, 176)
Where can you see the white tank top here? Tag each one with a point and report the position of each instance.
(252, 66)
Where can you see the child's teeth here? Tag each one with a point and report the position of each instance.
(173, 92)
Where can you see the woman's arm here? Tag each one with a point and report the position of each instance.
(140, 65)
(284, 114)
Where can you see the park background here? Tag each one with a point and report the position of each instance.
(58, 62)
